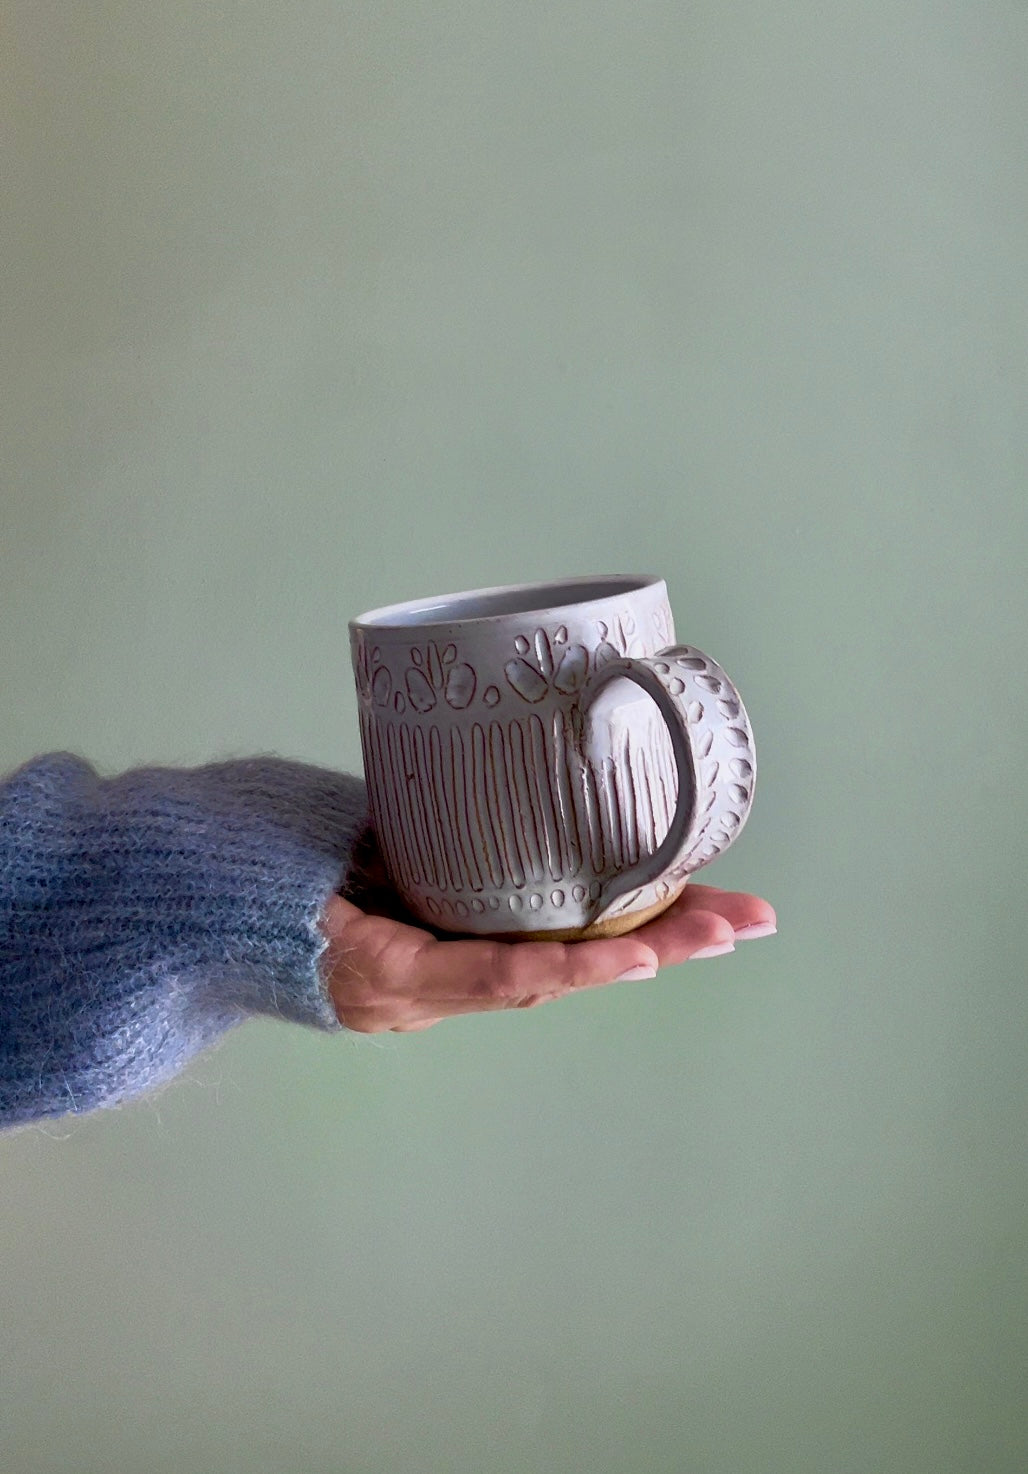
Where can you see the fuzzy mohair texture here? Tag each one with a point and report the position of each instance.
(144, 915)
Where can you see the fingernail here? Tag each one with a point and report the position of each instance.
(758, 929)
(718, 951)
(637, 974)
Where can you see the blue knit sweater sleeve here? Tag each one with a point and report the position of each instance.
(141, 916)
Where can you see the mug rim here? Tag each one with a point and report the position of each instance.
(391, 617)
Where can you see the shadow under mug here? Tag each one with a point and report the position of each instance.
(543, 760)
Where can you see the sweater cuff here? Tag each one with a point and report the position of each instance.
(227, 869)
(141, 916)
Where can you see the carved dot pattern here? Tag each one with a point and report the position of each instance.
(723, 748)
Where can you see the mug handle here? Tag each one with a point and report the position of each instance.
(712, 741)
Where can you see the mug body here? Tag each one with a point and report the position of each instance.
(498, 808)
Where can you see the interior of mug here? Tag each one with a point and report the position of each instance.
(499, 602)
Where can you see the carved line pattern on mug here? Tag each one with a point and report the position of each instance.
(514, 804)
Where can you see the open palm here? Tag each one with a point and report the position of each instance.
(385, 972)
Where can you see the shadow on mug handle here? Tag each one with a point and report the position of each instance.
(714, 752)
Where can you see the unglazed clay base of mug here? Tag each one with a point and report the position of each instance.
(613, 926)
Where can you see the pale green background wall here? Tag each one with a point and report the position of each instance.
(310, 306)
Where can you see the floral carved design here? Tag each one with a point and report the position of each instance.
(620, 637)
(362, 668)
(374, 681)
(432, 675)
(546, 663)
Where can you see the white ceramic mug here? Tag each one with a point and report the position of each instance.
(543, 760)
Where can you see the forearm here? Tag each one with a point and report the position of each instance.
(142, 916)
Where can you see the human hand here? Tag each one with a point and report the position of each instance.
(387, 973)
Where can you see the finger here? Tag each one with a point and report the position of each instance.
(480, 976)
(739, 908)
(425, 1023)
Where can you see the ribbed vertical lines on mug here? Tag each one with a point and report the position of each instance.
(611, 815)
(571, 835)
(515, 803)
(527, 804)
(381, 789)
(428, 802)
(409, 852)
(648, 764)
(444, 807)
(387, 822)
(492, 843)
(416, 800)
(588, 789)
(644, 791)
(457, 785)
(626, 784)
(544, 774)
(519, 804)
(498, 788)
